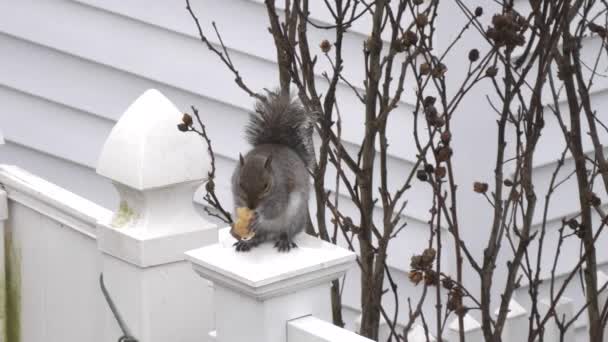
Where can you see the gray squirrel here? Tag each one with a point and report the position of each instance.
(272, 179)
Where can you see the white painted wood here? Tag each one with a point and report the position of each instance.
(472, 330)
(563, 311)
(516, 325)
(145, 150)
(260, 291)
(151, 165)
(417, 334)
(311, 329)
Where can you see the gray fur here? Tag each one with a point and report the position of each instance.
(282, 120)
(281, 130)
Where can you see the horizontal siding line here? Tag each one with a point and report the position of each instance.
(212, 99)
(128, 72)
(209, 98)
(550, 220)
(9, 140)
(55, 102)
(569, 157)
(212, 39)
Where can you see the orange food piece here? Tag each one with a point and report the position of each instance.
(243, 221)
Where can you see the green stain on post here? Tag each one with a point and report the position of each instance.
(124, 215)
(13, 288)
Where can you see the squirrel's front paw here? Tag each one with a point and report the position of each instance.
(285, 245)
(244, 246)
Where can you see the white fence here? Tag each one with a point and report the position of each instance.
(57, 244)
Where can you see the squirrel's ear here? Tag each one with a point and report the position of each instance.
(268, 161)
(241, 159)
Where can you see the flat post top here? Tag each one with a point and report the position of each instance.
(264, 272)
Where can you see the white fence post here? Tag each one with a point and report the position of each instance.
(262, 290)
(564, 311)
(516, 325)
(417, 334)
(156, 170)
(472, 330)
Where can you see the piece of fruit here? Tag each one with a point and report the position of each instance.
(241, 227)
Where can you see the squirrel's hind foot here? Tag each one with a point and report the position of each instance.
(284, 244)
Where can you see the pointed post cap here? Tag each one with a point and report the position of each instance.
(145, 149)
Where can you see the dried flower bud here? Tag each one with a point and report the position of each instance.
(325, 46)
(187, 119)
(440, 70)
(425, 68)
(444, 153)
(430, 278)
(428, 256)
(410, 38)
(492, 71)
(418, 2)
(182, 127)
(416, 262)
(421, 175)
(478, 11)
(438, 122)
(440, 172)
(480, 188)
(429, 101)
(446, 137)
(415, 277)
(429, 168)
(422, 20)
(473, 55)
(572, 223)
(508, 182)
(447, 283)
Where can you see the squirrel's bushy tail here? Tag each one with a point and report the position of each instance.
(283, 120)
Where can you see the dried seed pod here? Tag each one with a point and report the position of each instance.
(430, 278)
(421, 175)
(429, 101)
(187, 119)
(425, 68)
(492, 71)
(443, 154)
(325, 46)
(478, 11)
(480, 188)
(415, 277)
(440, 172)
(447, 283)
(428, 256)
(508, 182)
(446, 137)
(473, 55)
(182, 127)
(422, 20)
(409, 39)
